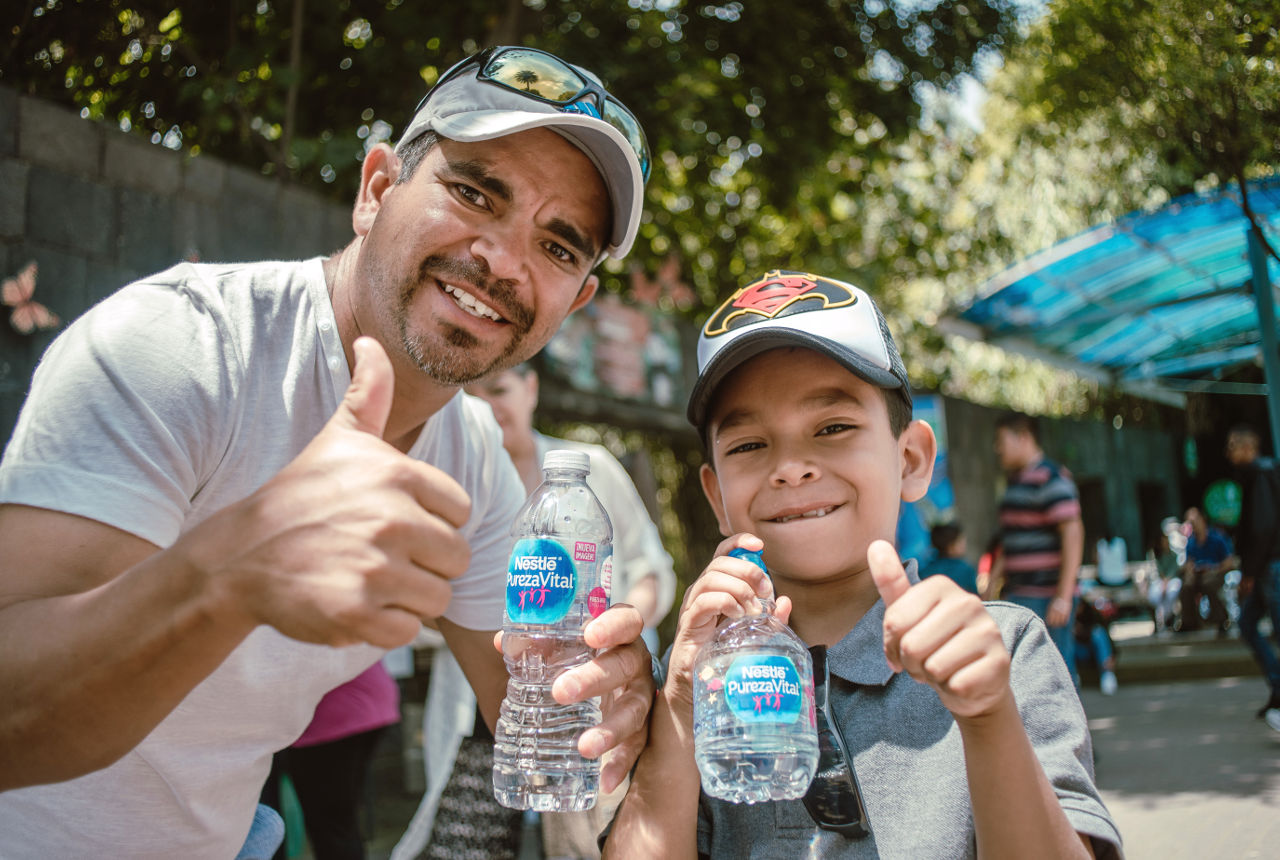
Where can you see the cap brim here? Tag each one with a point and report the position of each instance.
(746, 346)
(608, 149)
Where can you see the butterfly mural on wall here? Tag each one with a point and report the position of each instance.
(27, 315)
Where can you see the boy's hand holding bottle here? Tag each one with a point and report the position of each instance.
(729, 588)
(942, 636)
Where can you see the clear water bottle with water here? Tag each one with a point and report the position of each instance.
(557, 581)
(754, 732)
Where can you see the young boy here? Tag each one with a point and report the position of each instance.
(959, 720)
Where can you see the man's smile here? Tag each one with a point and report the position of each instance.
(470, 303)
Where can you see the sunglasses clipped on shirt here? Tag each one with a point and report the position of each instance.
(546, 78)
(833, 800)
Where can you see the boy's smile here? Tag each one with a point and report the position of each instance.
(805, 459)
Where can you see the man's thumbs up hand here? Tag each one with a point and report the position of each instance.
(350, 542)
(367, 403)
(941, 635)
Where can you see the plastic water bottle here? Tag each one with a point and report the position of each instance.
(557, 581)
(754, 731)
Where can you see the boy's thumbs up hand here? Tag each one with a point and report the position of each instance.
(941, 635)
(350, 542)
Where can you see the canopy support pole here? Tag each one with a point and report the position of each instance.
(1267, 324)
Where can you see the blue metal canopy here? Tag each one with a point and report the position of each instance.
(1157, 303)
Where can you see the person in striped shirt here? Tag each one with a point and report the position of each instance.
(1042, 535)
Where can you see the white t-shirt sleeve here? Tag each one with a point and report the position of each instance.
(128, 412)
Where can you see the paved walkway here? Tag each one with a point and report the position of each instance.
(1186, 769)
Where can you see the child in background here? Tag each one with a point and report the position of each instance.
(805, 410)
(949, 542)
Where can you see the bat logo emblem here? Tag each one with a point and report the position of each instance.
(775, 295)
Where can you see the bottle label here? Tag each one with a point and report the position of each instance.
(541, 581)
(763, 688)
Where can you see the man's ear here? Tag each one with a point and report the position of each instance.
(585, 293)
(711, 489)
(378, 173)
(917, 449)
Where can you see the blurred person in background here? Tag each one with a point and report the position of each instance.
(1041, 533)
(1163, 588)
(1258, 542)
(1209, 555)
(950, 546)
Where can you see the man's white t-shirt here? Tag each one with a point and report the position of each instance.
(175, 397)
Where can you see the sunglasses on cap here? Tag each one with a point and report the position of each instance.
(833, 799)
(546, 78)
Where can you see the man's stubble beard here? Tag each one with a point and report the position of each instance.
(447, 362)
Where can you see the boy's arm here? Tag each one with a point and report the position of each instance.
(945, 638)
(1015, 809)
(659, 815)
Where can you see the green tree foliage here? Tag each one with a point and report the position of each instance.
(769, 122)
(1197, 82)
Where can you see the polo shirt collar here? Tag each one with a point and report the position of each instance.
(859, 657)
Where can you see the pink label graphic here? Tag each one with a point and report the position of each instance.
(597, 601)
(584, 551)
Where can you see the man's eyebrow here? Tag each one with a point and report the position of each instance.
(478, 174)
(574, 238)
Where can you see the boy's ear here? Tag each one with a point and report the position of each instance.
(711, 489)
(917, 449)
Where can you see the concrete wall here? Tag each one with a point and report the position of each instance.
(1113, 467)
(97, 208)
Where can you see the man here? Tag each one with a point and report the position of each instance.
(1041, 533)
(199, 494)
(1209, 557)
(1258, 545)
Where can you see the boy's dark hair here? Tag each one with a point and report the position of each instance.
(1020, 422)
(944, 535)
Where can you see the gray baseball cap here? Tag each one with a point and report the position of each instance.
(464, 108)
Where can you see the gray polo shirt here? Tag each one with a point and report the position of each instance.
(910, 762)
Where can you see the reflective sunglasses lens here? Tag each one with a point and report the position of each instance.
(535, 73)
(623, 121)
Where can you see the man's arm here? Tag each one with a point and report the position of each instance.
(351, 542)
(97, 629)
(1072, 533)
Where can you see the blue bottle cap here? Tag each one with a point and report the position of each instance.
(752, 555)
